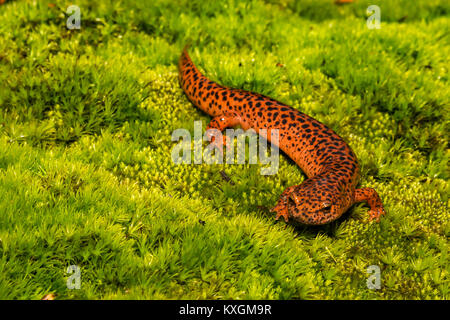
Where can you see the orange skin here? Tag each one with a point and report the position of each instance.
(330, 164)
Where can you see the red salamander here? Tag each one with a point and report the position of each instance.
(328, 161)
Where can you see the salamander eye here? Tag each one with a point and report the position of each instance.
(291, 202)
(326, 206)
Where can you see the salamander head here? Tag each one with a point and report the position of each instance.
(317, 201)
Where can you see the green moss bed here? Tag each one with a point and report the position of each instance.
(87, 179)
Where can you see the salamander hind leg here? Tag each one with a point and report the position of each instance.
(220, 123)
(372, 198)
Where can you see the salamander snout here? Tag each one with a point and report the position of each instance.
(313, 203)
(316, 201)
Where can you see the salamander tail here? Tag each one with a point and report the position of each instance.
(193, 82)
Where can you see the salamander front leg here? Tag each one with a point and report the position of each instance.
(282, 206)
(372, 198)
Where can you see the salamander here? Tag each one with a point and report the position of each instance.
(327, 160)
